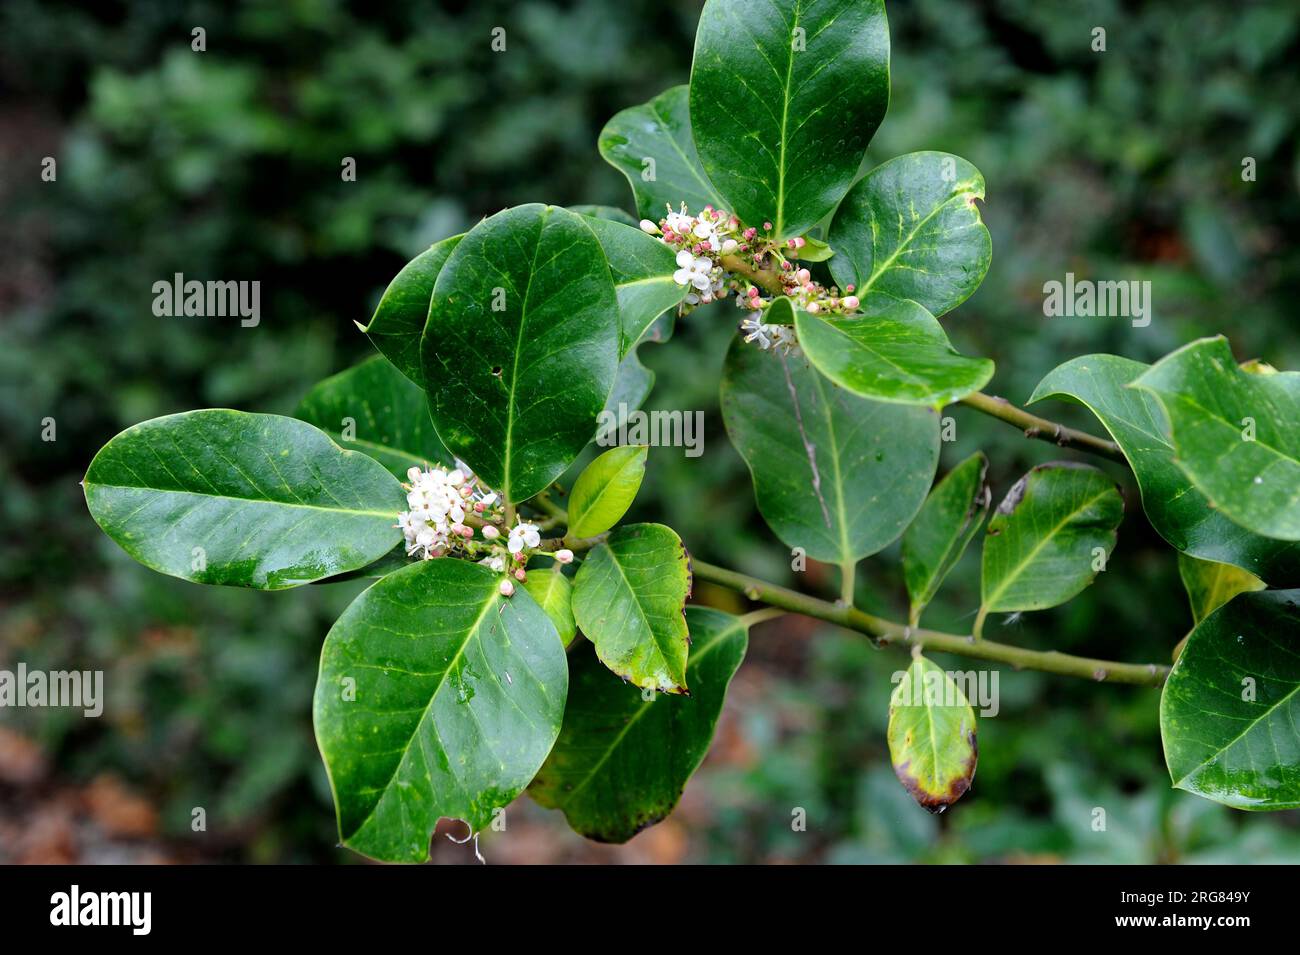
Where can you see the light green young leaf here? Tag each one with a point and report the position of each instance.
(244, 500)
(1236, 434)
(895, 351)
(1180, 513)
(642, 268)
(1231, 705)
(624, 756)
(554, 594)
(374, 409)
(834, 474)
(605, 490)
(932, 736)
(436, 697)
(652, 146)
(950, 518)
(911, 229)
(814, 250)
(1050, 536)
(521, 347)
(1210, 585)
(398, 322)
(785, 96)
(628, 599)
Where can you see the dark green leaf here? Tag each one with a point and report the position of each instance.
(1179, 512)
(521, 347)
(896, 351)
(785, 96)
(932, 736)
(911, 229)
(651, 145)
(642, 268)
(374, 409)
(398, 322)
(628, 599)
(632, 386)
(606, 212)
(1231, 705)
(605, 490)
(436, 697)
(834, 474)
(1049, 538)
(1236, 434)
(950, 518)
(622, 759)
(245, 500)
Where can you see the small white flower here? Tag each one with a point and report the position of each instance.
(523, 535)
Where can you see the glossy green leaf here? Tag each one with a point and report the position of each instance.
(628, 599)
(245, 500)
(895, 351)
(1231, 706)
(624, 756)
(642, 268)
(398, 322)
(521, 347)
(932, 736)
(606, 212)
(911, 229)
(436, 697)
(394, 560)
(1050, 537)
(785, 96)
(554, 594)
(814, 250)
(632, 386)
(652, 146)
(950, 518)
(374, 409)
(834, 473)
(1236, 434)
(1180, 513)
(1210, 585)
(605, 490)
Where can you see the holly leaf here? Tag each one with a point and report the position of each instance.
(894, 351)
(244, 500)
(642, 268)
(611, 213)
(1210, 585)
(1231, 705)
(1180, 513)
(784, 98)
(932, 736)
(632, 386)
(374, 409)
(628, 599)
(436, 697)
(652, 146)
(605, 490)
(624, 756)
(910, 228)
(554, 594)
(1236, 434)
(1049, 538)
(399, 320)
(521, 347)
(950, 518)
(835, 474)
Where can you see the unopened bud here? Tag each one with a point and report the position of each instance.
(507, 588)
(490, 532)
(564, 556)
(520, 575)
(730, 246)
(813, 308)
(649, 228)
(851, 302)
(804, 275)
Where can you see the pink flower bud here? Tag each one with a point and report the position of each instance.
(649, 228)
(800, 242)
(849, 288)
(507, 588)
(753, 291)
(490, 533)
(851, 302)
(804, 275)
(767, 226)
(520, 575)
(564, 556)
(813, 308)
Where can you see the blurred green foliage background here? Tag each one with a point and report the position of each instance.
(226, 164)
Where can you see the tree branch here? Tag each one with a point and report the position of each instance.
(1041, 428)
(887, 632)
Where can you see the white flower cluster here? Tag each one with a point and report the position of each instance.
(701, 241)
(438, 500)
(780, 337)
